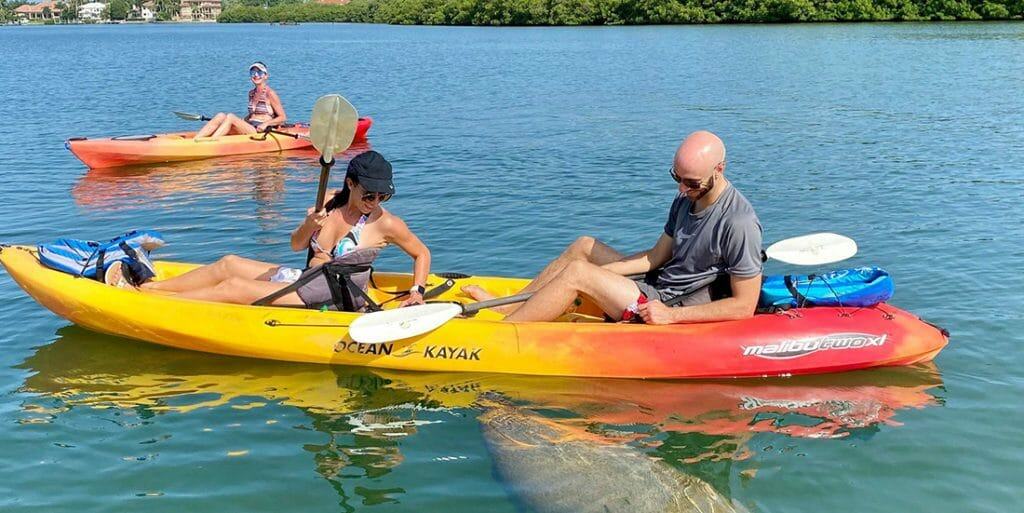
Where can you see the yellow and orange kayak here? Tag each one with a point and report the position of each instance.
(799, 341)
(180, 146)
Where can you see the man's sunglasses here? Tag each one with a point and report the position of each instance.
(690, 183)
(382, 196)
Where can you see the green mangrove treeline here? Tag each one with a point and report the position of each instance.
(613, 12)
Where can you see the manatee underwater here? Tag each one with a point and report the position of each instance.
(552, 468)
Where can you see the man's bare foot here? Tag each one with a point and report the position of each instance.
(115, 276)
(478, 293)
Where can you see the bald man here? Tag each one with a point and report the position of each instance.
(707, 261)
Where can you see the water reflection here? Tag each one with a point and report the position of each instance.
(259, 177)
(702, 429)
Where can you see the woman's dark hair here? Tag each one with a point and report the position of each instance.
(340, 198)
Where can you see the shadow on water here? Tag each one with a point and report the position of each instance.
(554, 468)
(534, 426)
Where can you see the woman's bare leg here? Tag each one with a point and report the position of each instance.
(242, 291)
(233, 125)
(230, 266)
(211, 126)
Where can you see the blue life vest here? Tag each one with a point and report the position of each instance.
(91, 258)
(860, 287)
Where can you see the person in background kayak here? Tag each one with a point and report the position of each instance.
(352, 224)
(709, 256)
(265, 110)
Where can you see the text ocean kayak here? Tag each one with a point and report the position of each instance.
(799, 341)
(176, 147)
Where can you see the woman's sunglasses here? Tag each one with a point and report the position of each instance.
(256, 73)
(370, 196)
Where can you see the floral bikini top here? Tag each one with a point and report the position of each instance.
(347, 243)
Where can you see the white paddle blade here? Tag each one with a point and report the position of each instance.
(188, 116)
(401, 323)
(332, 125)
(813, 249)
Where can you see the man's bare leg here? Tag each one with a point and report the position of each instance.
(584, 249)
(612, 293)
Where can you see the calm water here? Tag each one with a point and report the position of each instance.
(508, 143)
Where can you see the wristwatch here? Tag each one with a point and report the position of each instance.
(420, 289)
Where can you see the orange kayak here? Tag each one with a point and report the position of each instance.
(180, 146)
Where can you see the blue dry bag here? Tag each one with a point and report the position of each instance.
(860, 287)
(90, 258)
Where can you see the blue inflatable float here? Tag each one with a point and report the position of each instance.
(860, 287)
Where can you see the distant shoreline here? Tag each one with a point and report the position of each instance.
(624, 12)
(119, 22)
(288, 22)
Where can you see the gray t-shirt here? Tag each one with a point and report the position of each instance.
(724, 238)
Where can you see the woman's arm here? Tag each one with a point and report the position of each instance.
(400, 234)
(305, 231)
(275, 103)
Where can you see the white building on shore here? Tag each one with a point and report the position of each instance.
(144, 12)
(92, 11)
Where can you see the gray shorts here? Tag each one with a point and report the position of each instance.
(699, 297)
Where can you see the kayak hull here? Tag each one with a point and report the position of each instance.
(180, 146)
(801, 341)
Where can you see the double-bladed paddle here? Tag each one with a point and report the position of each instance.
(402, 323)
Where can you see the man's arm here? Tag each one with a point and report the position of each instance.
(741, 305)
(645, 260)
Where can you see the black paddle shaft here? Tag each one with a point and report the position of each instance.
(321, 191)
(325, 174)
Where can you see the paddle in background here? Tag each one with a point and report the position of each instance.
(191, 117)
(331, 129)
(402, 323)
